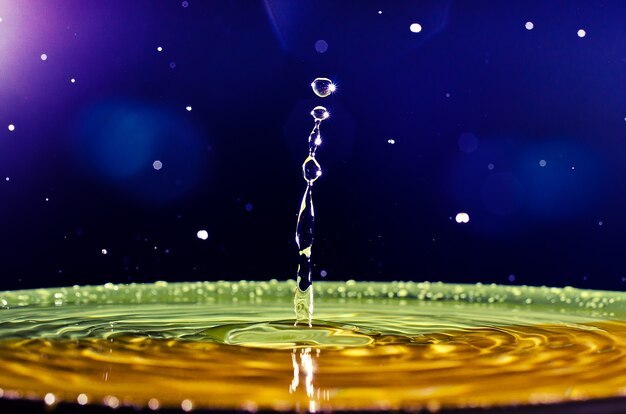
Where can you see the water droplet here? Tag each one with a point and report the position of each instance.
(323, 87)
(157, 165)
(321, 46)
(203, 235)
(11, 127)
(415, 27)
(312, 169)
(319, 113)
(529, 25)
(581, 33)
(462, 218)
(44, 56)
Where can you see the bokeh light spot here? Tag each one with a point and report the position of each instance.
(468, 142)
(202, 234)
(11, 127)
(321, 46)
(415, 27)
(462, 218)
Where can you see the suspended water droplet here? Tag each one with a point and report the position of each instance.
(323, 87)
(311, 169)
(319, 113)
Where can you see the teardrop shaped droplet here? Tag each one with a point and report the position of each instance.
(323, 87)
(319, 113)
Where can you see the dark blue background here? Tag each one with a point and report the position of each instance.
(473, 88)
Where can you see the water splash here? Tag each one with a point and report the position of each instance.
(311, 170)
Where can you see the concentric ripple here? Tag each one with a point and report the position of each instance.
(372, 346)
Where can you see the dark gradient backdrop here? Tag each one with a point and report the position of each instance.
(524, 130)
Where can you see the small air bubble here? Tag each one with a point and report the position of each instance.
(185, 4)
(490, 166)
(172, 65)
(157, 165)
(73, 80)
(82, 399)
(391, 141)
(600, 223)
(202, 235)
(11, 127)
(159, 49)
(249, 207)
(542, 163)
(44, 56)
(511, 278)
(323, 273)
(188, 108)
(581, 33)
(104, 251)
(529, 25)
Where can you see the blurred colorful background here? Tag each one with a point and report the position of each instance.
(479, 141)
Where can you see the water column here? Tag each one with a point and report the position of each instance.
(311, 170)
